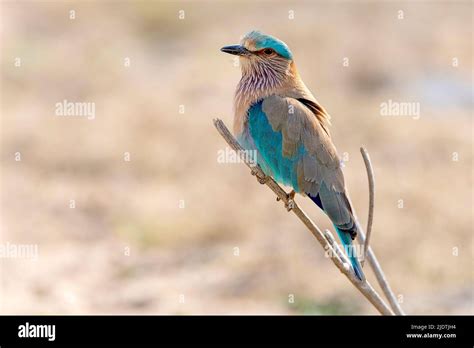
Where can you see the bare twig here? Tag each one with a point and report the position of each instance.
(381, 279)
(365, 239)
(362, 285)
(370, 174)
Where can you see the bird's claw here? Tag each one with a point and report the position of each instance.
(290, 203)
(261, 179)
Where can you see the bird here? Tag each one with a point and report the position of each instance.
(277, 116)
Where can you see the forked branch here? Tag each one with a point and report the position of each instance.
(367, 251)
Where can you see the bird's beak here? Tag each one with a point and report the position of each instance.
(237, 50)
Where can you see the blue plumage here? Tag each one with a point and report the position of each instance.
(269, 146)
(267, 41)
(350, 252)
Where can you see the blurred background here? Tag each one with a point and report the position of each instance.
(132, 212)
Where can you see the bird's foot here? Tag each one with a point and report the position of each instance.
(290, 203)
(261, 179)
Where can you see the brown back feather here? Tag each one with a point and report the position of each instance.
(318, 111)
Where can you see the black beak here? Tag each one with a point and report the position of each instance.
(237, 50)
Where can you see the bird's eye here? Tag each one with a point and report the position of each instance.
(268, 51)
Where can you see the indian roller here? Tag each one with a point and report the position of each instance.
(276, 115)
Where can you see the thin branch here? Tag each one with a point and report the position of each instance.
(364, 239)
(381, 279)
(375, 265)
(363, 286)
(370, 174)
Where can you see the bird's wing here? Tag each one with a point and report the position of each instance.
(307, 146)
(302, 132)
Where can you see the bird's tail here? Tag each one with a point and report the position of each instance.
(345, 235)
(351, 253)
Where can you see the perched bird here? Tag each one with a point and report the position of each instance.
(276, 115)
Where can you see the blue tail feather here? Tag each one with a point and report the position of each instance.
(346, 242)
(350, 252)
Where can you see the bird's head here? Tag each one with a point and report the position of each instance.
(262, 55)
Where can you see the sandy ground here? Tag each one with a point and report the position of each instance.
(174, 231)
